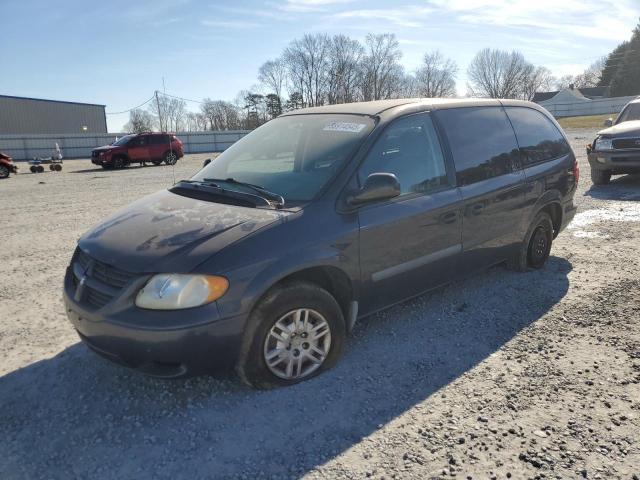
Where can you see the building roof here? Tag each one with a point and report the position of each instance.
(53, 101)
(588, 92)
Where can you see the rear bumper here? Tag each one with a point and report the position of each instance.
(624, 160)
(568, 212)
(159, 343)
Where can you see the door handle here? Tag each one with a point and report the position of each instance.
(450, 217)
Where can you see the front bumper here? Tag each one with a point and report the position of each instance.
(166, 344)
(615, 160)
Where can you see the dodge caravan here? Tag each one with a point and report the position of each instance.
(265, 259)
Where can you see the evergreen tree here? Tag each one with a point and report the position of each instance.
(626, 80)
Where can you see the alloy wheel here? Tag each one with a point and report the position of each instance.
(297, 344)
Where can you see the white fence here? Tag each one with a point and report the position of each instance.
(590, 107)
(25, 147)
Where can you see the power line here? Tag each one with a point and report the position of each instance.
(127, 111)
(182, 98)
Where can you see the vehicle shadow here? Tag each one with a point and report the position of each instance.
(625, 187)
(77, 415)
(128, 167)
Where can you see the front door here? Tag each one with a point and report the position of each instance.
(411, 243)
(138, 149)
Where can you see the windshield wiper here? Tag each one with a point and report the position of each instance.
(271, 196)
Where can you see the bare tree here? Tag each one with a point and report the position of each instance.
(498, 74)
(436, 77)
(591, 76)
(273, 74)
(139, 121)
(306, 60)
(344, 76)
(539, 79)
(220, 115)
(380, 67)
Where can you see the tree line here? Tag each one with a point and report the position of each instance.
(318, 69)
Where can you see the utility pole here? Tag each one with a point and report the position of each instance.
(159, 111)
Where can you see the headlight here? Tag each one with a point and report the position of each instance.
(604, 144)
(172, 291)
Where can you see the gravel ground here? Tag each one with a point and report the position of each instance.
(503, 375)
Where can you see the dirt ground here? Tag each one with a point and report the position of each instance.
(503, 375)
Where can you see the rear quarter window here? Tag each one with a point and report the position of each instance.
(482, 142)
(539, 139)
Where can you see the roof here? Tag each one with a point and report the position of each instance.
(589, 92)
(544, 96)
(53, 101)
(379, 106)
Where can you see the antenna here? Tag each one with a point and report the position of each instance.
(173, 161)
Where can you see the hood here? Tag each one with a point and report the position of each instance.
(625, 128)
(166, 232)
(104, 148)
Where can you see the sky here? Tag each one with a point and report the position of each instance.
(118, 52)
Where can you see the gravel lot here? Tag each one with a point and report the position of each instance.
(503, 375)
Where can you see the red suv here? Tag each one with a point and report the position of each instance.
(139, 148)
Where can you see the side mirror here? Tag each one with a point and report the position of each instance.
(206, 162)
(377, 186)
(608, 122)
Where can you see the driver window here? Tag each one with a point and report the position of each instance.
(409, 148)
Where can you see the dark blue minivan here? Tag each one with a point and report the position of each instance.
(265, 260)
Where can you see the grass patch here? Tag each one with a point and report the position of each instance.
(590, 121)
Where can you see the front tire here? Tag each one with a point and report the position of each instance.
(296, 332)
(535, 248)
(4, 171)
(118, 163)
(600, 177)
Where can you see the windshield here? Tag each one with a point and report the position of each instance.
(631, 112)
(292, 156)
(123, 140)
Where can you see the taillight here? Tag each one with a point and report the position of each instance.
(576, 170)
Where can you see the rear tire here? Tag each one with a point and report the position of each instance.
(276, 333)
(600, 177)
(535, 248)
(170, 158)
(4, 171)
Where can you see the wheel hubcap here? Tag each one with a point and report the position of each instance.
(539, 244)
(297, 344)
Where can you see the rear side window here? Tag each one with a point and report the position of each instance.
(158, 139)
(482, 142)
(409, 148)
(539, 139)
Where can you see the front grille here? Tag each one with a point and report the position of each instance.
(95, 153)
(626, 143)
(102, 281)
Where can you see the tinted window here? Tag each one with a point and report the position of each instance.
(482, 142)
(409, 148)
(538, 137)
(630, 112)
(138, 141)
(158, 139)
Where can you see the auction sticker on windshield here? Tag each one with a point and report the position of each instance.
(344, 127)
